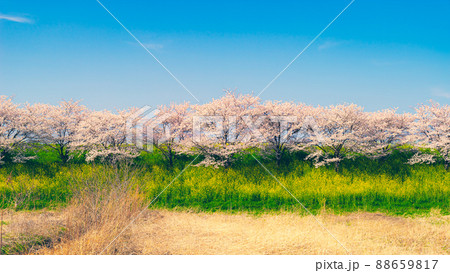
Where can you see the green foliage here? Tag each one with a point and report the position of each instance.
(24, 243)
(386, 184)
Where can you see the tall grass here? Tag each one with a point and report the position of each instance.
(104, 202)
(387, 185)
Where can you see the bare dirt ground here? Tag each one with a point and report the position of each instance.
(173, 232)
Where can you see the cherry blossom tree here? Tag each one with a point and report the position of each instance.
(386, 130)
(219, 129)
(56, 126)
(225, 128)
(172, 128)
(14, 131)
(103, 135)
(431, 130)
(278, 125)
(338, 134)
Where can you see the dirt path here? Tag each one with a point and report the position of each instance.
(169, 232)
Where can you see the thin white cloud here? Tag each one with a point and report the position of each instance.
(439, 92)
(17, 19)
(329, 44)
(153, 46)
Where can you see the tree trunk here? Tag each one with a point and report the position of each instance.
(170, 159)
(227, 164)
(278, 157)
(336, 166)
(64, 157)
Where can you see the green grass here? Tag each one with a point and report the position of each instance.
(23, 243)
(387, 185)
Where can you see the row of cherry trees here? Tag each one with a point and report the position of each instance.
(223, 129)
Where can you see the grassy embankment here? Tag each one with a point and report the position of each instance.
(387, 185)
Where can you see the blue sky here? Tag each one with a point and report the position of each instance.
(377, 54)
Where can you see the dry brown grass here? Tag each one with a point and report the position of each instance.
(168, 232)
(91, 227)
(83, 228)
(27, 232)
(104, 204)
(95, 218)
(172, 232)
